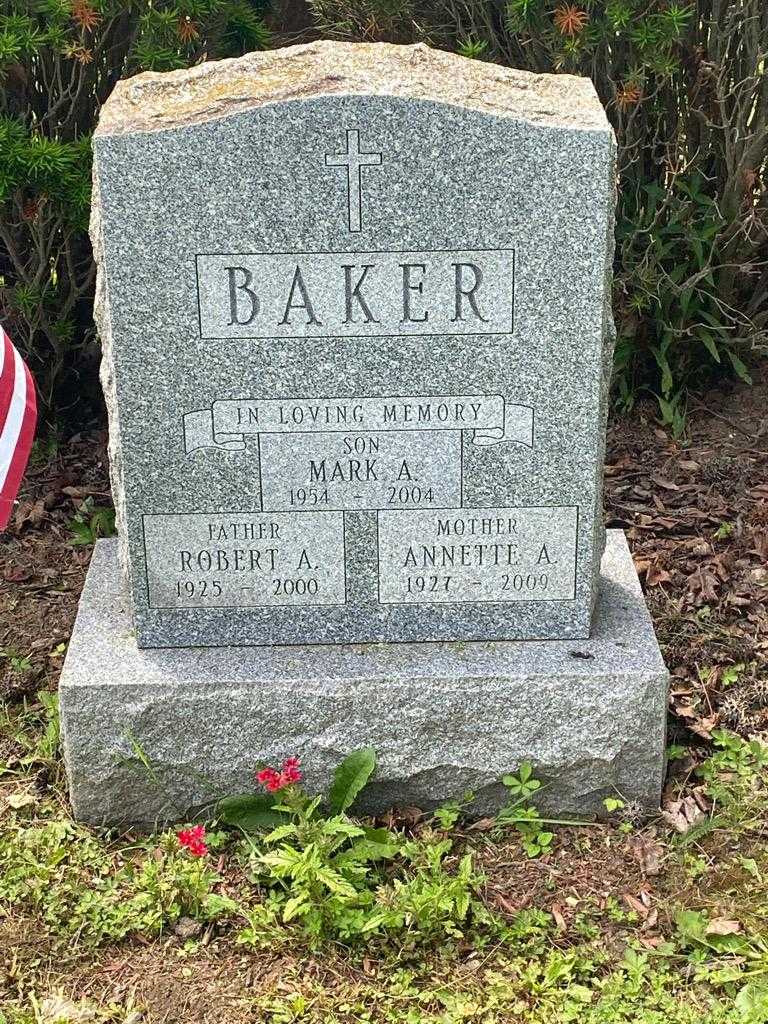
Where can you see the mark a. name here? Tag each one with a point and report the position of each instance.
(302, 301)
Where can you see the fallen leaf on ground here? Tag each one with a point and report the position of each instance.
(557, 913)
(683, 814)
(482, 825)
(722, 926)
(651, 921)
(19, 800)
(635, 904)
(647, 854)
(506, 905)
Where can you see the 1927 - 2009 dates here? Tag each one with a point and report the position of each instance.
(482, 555)
(532, 584)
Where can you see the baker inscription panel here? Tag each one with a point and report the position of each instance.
(398, 458)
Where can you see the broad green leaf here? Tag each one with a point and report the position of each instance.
(699, 250)
(280, 833)
(296, 905)
(666, 372)
(752, 999)
(374, 922)
(249, 811)
(709, 344)
(739, 367)
(338, 826)
(286, 859)
(380, 836)
(335, 883)
(214, 903)
(713, 322)
(350, 778)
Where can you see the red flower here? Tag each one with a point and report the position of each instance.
(193, 839)
(290, 772)
(273, 780)
(269, 778)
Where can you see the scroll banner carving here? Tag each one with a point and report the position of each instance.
(227, 423)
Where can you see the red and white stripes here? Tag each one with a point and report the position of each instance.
(18, 416)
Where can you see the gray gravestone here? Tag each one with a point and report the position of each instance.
(356, 347)
(354, 302)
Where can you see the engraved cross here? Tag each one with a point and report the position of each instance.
(354, 160)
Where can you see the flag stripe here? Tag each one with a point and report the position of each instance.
(18, 416)
(7, 378)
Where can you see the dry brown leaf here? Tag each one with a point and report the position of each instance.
(685, 711)
(19, 800)
(646, 897)
(482, 825)
(651, 921)
(703, 584)
(700, 796)
(507, 905)
(79, 492)
(682, 814)
(557, 913)
(647, 854)
(722, 926)
(635, 904)
(661, 482)
(703, 727)
(655, 575)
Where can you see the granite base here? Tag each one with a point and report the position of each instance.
(151, 735)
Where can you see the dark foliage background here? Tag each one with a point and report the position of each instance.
(684, 84)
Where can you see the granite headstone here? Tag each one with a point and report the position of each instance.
(354, 305)
(356, 327)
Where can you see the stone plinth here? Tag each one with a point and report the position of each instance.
(149, 734)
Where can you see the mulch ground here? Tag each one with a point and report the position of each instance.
(695, 512)
(696, 516)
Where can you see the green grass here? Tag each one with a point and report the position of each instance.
(455, 941)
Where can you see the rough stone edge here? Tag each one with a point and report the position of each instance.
(156, 101)
(609, 343)
(103, 320)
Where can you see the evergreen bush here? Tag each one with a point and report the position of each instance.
(59, 60)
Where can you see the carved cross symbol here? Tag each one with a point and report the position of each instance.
(354, 160)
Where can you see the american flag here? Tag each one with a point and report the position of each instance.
(18, 416)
